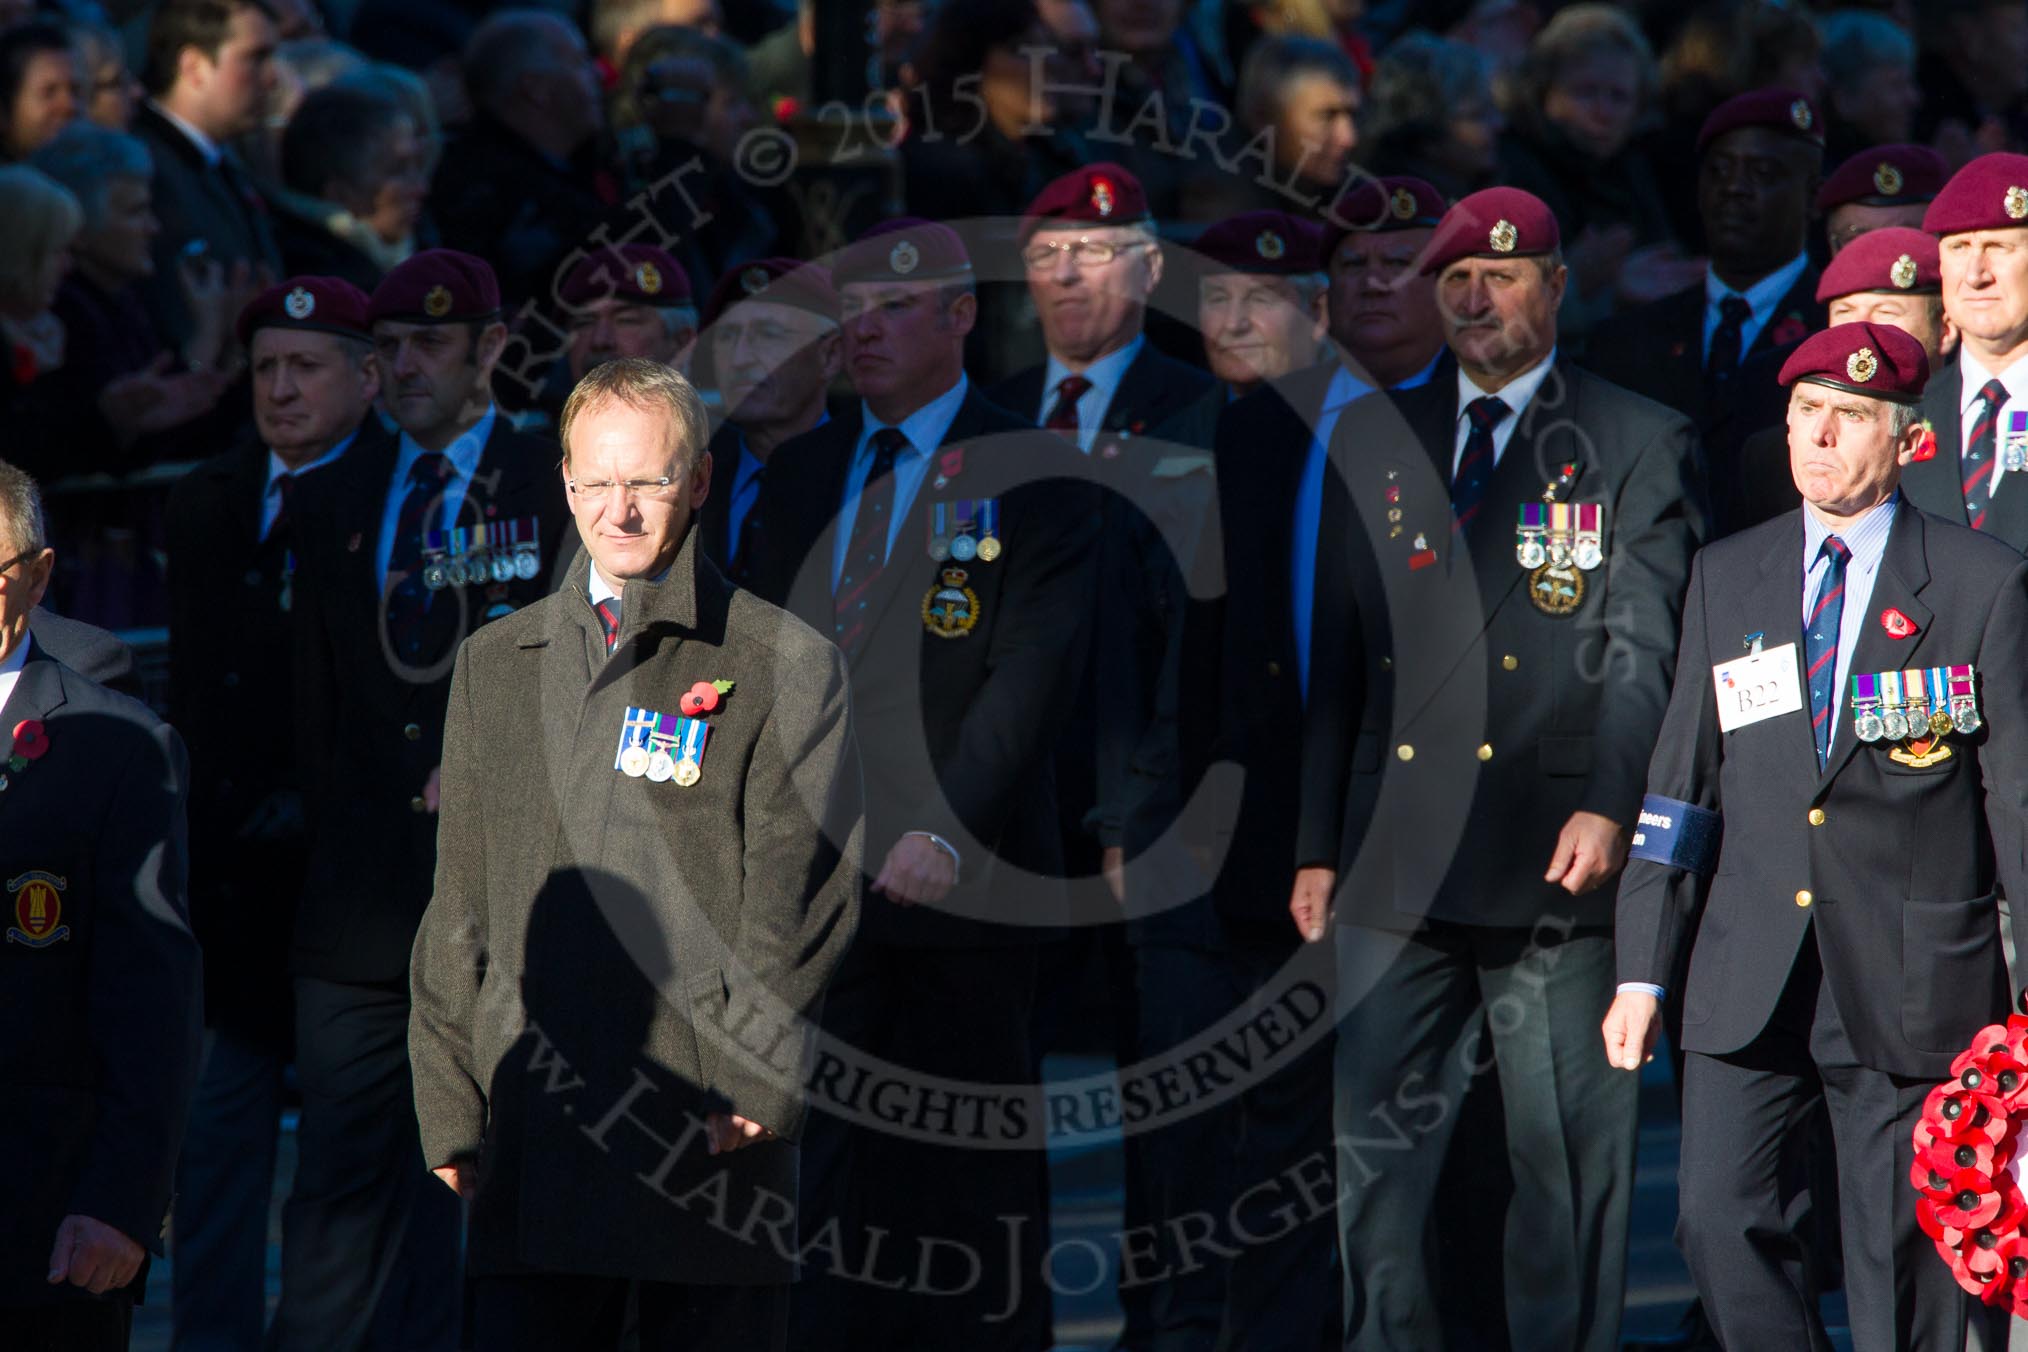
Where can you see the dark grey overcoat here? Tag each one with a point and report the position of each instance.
(607, 959)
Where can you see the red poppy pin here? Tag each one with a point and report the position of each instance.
(952, 463)
(1896, 624)
(1925, 449)
(31, 743)
(352, 543)
(1790, 329)
(702, 698)
(1678, 349)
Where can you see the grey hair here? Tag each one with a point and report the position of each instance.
(1901, 418)
(640, 384)
(21, 512)
(1857, 42)
(1275, 62)
(84, 157)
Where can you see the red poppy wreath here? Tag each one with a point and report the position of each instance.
(1966, 1169)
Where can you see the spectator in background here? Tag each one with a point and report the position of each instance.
(108, 93)
(1779, 46)
(1430, 112)
(1585, 89)
(1974, 77)
(1163, 58)
(38, 87)
(38, 221)
(353, 185)
(520, 186)
(1870, 93)
(131, 402)
(1307, 93)
(209, 72)
(616, 25)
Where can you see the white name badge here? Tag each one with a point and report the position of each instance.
(1756, 687)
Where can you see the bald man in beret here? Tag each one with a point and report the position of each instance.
(1498, 585)
(1846, 700)
(233, 563)
(1977, 407)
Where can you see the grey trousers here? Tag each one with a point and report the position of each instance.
(1419, 1016)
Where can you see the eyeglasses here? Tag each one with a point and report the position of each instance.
(1086, 253)
(653, 490)
(25, 554)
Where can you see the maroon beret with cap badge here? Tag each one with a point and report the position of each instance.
(1492, 223)
(1885, 176)
(778, 281)
(1990, 193)
(1097, 194)
(1876, 360)
(1396, 202)
(316, 304)
(1782, 110)
(903, 249)
(437, 286)
(1897, 259)
(1269, 243)
(640, 274)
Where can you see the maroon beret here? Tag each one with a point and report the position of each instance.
(1492, 223)
(637, 273)
(1268, 242)
(904, 249)
(437, 286)
(779, 281)
(1097, 194)
(1776, 109)
(317, 304)
(1885, 176)
(1898, 258)
(1990, 193)
(1871, 359)
(1394, 203)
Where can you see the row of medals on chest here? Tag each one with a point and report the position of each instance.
(498, 551)
(1918, 703)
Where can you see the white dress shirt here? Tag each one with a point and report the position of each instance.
(10, 670)
(1515, 394)
(1973, 375)
(1764, 295)
(925, 429)
(271, 495)
(1104, 374)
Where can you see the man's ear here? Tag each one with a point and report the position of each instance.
(37, 572)
(964, 313)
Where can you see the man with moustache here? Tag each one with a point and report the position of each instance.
(684, 867)
(403, 547)
(1977, 409)
(232, 607)
(1776, 849)
(1461, 748)
(1759, 160)
(628, 300)
(1886, 276)
(944, 545)
(1879, 187)
(772, 339)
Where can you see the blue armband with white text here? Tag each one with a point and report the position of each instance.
(1676, 834)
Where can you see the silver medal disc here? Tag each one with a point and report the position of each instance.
(1589, 555)
(939, 548)
(1894, 725)
(1531, 553)
(1868, 726)
(435, 576)
(527, 565)
(1965, 717)
(634, 762)
(503, 568)
(661, 767)
(455, 573)
(964, 549)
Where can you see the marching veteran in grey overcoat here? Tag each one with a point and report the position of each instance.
(648, 866)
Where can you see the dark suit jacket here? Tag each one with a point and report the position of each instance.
(636, 926)
(1937, 485)
(96, 654)
(1447, 713)
(1154, 390)
(371, 728)
(196, 201)
(1902, 872)
(956, 733)
(232, 695)
(1658, 350)
(99, 992)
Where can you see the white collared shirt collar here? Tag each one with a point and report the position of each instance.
(1763, 295)
(10, 669)
(1973, 375)
(271, 497)
(205, 145)
(1105, 376)
(1516, 394)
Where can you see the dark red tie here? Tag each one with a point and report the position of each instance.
(1063, 417)
(866, 554)
(1475, 466)
(609, 620)
(285, 485)
(1979, 448)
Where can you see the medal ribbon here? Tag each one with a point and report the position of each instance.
(1865, 690)
(695, 733)
(938, 521)
(634, 731)
(1559, 523)
(989, 517)
(1939, 690)
(1890, 689)
(1961, 680)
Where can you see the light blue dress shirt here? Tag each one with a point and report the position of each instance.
(1344, 388)
(463, 455)
(1763, 296)
(925, 429)
(1104, 374)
